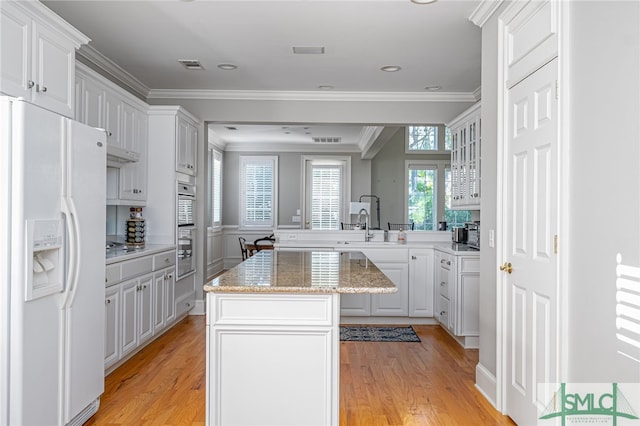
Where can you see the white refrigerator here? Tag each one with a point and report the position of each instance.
(52, 266)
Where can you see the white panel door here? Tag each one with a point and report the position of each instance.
(530, 226)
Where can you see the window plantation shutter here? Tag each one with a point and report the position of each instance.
(258, 191)
(216, 189)
(326, 198)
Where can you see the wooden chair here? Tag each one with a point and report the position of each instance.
(344, 226)
(264, 243)
(243, 248)
(398, 226)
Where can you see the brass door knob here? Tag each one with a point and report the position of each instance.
(506, 267)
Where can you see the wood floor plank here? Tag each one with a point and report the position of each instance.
(431, 382)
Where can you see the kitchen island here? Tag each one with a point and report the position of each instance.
(273, 336)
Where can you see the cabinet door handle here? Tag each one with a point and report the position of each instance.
(442, 283)
(448, 262)
(109, 134)
(443, 312)
(413, 258)
(106, 302)
(30, 84)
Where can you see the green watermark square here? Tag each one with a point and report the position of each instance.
(615, 404)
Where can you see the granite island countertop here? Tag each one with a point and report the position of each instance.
(272, 271)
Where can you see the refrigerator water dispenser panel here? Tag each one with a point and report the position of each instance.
(44, 262)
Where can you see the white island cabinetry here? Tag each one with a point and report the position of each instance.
(273, 336)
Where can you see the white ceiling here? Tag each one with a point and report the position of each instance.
(435, 44)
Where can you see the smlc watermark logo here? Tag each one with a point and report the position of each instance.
(593, 404)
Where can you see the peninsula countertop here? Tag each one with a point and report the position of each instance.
(271, 271)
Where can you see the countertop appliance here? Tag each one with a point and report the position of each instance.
(459, 234)
(53, 266)
(473, 234)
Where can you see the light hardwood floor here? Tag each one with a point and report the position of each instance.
(381, 384)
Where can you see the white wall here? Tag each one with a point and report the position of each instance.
(605, 182)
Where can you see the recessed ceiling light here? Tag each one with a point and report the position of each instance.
(191, 64)
(325, 87)
(227, 67)
(423, 1)
(390, 68)
(432, 88)
(308, 50)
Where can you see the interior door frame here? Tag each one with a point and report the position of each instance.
(562, 196)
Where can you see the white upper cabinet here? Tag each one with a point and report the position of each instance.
(124, 117)
(37, 52)
(466, 159)
(187, 146)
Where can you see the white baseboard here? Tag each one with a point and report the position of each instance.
(388, 320)
(486, 384)
(198, 308)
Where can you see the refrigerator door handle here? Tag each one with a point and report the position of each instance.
(69, 211)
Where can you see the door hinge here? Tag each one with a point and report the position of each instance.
(555, 244)
(557, 90)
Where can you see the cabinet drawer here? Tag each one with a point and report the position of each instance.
(112, 275)
(446, 261)
(252, 309)
(443, 312)
(443, 287)
(131, 268)
(164, 260)
(469, 264)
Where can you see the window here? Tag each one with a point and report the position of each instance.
(428, 195)
(258, 191)
(327, 183)
(448, 143)
(422, 138)
(215, 188)
(427, 139)
(421, 195)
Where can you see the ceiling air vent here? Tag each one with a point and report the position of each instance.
(308, 50)
(191, 64)
(326, 139)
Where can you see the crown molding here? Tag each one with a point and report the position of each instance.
(368, 135)
(49, 18)
(290, 147)
(116, 73)
(267, 95)
(483, 12)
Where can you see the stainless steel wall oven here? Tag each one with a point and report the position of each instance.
(186, 231)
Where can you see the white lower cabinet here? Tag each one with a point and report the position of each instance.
(457, 295)
(112, 325)
(163, 298)
(145, 308)
(139, 304)
(129, 315)
(421, 277)
(394, 304)
(394, 264)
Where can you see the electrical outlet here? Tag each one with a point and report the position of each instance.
(292, 236)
